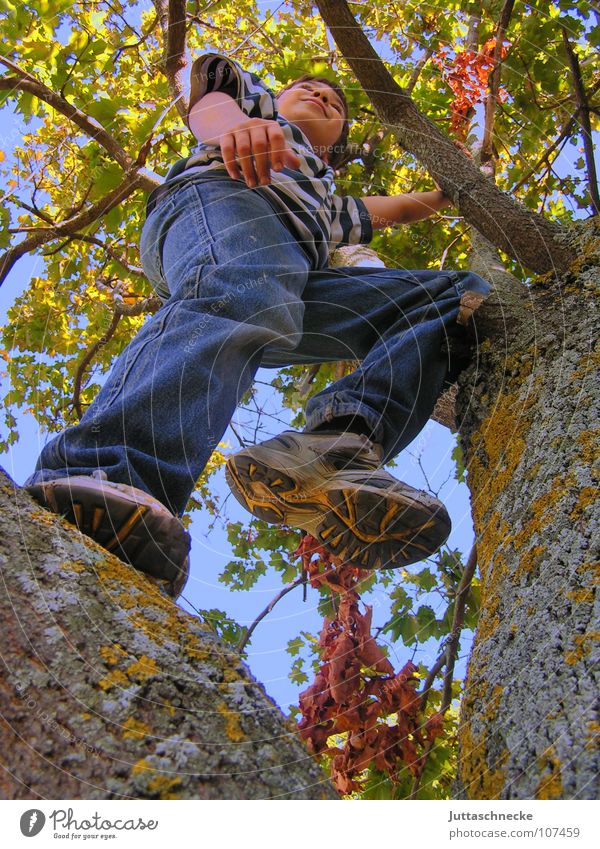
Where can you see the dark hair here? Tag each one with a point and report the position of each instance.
(338, 151)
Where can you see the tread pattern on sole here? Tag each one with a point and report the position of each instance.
(153, 542)
(372, 530)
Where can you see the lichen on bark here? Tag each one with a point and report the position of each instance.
(528, 414)
(111, 691)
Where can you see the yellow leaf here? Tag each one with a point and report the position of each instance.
(2, 156)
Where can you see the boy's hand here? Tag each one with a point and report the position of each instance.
(252, 148)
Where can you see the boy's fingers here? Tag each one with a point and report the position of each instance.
(251, 150)
(260, 152)
(281, 153)
(228, 154)
(243, 149)
(277, 145)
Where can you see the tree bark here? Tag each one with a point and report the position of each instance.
(528, 412)
(110, 691)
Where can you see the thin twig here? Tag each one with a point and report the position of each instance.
(248, 632)
(457, 622)
(86, 360)
(414, 77)
(447, 248)
(93, 240)
(549, 151)
(240, 439)
(431, 676)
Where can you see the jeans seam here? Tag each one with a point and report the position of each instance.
(202, 225)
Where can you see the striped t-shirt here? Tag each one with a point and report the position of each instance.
(304, 197)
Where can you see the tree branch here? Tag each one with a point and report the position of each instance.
(457, 623)
(546, 156)
(584, 122)
(24, 81)
(86, 360)
(494, 83)
(508, 224)
(171, 14)
(69, 227)
(448, 660)
(414, 77)
(93, 240)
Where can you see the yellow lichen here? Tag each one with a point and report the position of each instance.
(589, 441)
(115, 678)
(143, 668)
(541, 511)
(583, 646)
(74, 566)
(163, 786)
(152, 613)
(480, 779)
(134, 728)
(159, 785)
(592, 566)
(550, 785)
(587, 498)
(588, 365)
(112, 654)
(532, 473)
(489, 618)
(126, 601)
(230, 675)
(581, 596)
(493, 539)
(232, 723)
(43, 517)
(529, 560)
(593, 741)
(141, 766)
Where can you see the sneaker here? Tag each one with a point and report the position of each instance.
(124, 520)
(330, 485)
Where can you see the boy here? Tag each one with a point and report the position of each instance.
(236, 242)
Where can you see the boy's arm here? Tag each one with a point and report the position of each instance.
(403, 209)
(250, 146)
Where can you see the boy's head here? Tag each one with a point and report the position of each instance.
(319, 108)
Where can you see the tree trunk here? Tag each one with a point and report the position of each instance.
(111, 691)
(529, 412)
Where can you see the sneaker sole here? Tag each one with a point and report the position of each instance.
(370, 527)
(151, 541)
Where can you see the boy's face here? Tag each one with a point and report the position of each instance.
(317, 110)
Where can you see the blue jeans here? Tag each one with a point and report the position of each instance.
(240, 293)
